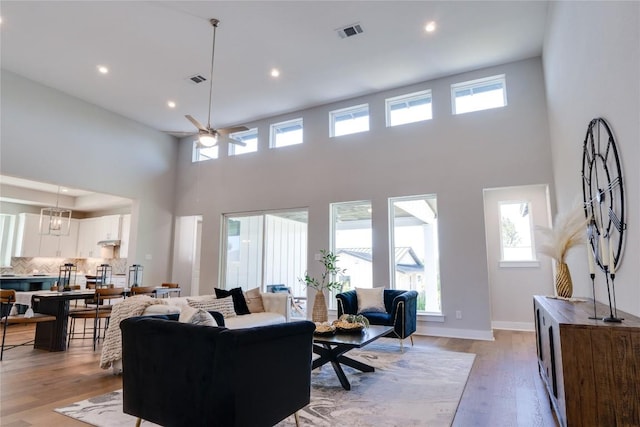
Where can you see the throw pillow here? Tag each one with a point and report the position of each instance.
(196, 316)
(222, 305)
(370, 300)
(239, 303)
(254, 300)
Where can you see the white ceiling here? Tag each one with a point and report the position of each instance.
(24, 191)
(151, 47)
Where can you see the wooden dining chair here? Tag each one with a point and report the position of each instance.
(103, 304)
(143, 290)
(7, 300)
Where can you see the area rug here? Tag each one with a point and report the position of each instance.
(417, 387)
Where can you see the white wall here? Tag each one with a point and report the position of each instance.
(48, 136)
(592, 69)
(454, 157)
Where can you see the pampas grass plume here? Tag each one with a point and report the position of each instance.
(568, 231)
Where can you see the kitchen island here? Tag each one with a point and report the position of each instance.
(28, 282)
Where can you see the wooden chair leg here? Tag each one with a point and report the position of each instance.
(295, 415)
(138, 421)
(4, 334)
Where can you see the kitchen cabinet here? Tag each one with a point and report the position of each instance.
(30, 243)
(93, 230)
(88, 238)
(109, 227)
(125, 228)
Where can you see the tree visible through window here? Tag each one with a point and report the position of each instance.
(515, 231)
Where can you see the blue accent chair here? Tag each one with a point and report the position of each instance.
(401, 311)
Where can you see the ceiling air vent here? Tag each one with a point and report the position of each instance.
(197, 78)
(349, 31)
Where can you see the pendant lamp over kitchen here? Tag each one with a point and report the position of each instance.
(208, 136)
(55, 221)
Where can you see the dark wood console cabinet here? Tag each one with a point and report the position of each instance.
(591, 369)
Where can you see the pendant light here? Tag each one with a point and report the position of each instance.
(55, 221)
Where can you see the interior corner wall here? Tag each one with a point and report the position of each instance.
(49, 136)
(592, 69)
(452, 156)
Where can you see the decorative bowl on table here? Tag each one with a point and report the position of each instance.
(351, 323)
(324, 329)
(348, 327)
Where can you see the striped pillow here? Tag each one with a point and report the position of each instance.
(222, 305)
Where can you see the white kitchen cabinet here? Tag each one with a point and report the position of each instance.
(60, 246)
(94, 230)
(30, 243)
(88, 237)
(125, 228)
(109, 227)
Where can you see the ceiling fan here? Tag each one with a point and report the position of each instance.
(208, 136)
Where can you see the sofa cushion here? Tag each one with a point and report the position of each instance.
(370, 300)
(161, 309)
(221, 305)
(196, 316)
(253, 297)
(255, 319)
(377, 318)
(239, 303)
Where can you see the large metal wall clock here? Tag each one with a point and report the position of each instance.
(603, 191)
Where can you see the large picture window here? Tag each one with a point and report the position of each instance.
(414, 248)
(352, 238)
(268, 248)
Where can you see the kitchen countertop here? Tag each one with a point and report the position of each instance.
(27, 276)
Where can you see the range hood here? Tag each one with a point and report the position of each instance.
(107, 243)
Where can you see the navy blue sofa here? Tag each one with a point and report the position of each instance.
(180, 374)
(401, 311)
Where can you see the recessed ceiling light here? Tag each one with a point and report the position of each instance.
(275, 72)
(102, 69)
(430, 27)
(171, 104)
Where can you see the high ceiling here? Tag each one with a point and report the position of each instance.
(152, 47)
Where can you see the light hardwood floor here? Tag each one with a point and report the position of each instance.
(504, 388)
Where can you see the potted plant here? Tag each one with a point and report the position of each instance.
(328, 281)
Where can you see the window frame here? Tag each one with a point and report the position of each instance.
(196, 153)
(406, 98)
(534, 261)
(273, 132)
(242, 134)
(476, 84)
(334, 114)
(391, 202)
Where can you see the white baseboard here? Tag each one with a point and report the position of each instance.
(470, 334)
(514, 326)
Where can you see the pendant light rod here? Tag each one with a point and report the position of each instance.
(215, 23)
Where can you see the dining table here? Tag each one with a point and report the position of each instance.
(52, 336)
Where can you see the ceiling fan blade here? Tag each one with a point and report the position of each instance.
(235, 141)
(196, 123)
(227, 131)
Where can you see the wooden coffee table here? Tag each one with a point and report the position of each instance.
(331, 348)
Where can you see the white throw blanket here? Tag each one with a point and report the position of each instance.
(130, 307)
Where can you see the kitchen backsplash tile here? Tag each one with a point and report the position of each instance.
(52, 265)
